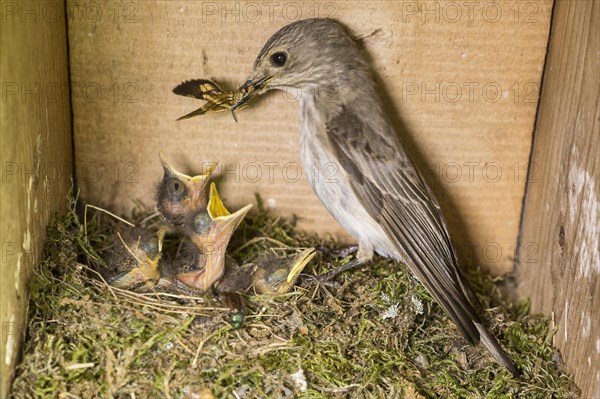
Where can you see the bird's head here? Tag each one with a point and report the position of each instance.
(301, 55)
(278, 275)
(179, 196)
(136, 258)
(212, 228)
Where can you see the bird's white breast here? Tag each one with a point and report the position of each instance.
(330, 182)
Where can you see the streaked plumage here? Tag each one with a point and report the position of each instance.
(377, 194)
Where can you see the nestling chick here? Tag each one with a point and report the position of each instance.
(207, 224)
(269, 275)
(180, 197)
(133, 261)
(210, 231)
(188, 259)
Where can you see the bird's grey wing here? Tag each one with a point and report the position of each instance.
(397, 197)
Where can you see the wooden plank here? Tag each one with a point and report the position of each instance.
(461, 78)
(35, 122)
(559, 251)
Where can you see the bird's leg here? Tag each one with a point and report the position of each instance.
(338, 253)
(332, 273)
(363, 254)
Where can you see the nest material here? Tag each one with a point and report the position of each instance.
(377, 334)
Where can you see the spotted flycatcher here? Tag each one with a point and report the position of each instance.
(378, 195)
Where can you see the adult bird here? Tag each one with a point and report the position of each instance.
(377, 194)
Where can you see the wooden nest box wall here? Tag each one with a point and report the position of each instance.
(497, 100)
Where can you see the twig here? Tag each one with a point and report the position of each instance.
(258, 239)
(127, 248)
(149, 217)
(101, 210)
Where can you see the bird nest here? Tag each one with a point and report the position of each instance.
(375, 333)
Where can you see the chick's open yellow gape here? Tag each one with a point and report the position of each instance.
(211, 240)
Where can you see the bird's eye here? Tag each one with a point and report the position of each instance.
(278, 59)
(177, 188)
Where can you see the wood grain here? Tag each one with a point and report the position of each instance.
(559, 255)
(36, 148)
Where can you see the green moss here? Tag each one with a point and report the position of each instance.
(84, 340)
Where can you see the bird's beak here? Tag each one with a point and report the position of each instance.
(300, 263)
(128, 280)
(250, 89)
(171, 171)
(217, 211)
(160, 235)
(194, 184)
(213, 244)
(217, 239)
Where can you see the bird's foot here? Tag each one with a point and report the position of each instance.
(326, 283)
(326, 277)
(337, 253)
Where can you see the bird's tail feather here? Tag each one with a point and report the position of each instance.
(492, 345)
